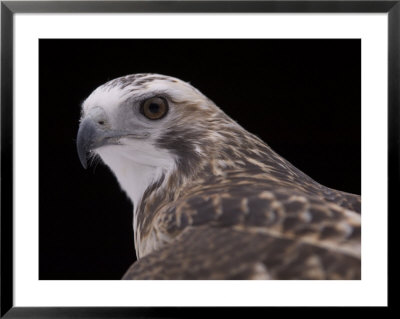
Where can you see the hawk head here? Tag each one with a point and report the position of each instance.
(145, 125)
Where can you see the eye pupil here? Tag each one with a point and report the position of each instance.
(154, 108)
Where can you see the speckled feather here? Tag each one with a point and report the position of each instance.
(232, 208)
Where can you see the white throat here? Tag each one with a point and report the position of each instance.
(135, 171)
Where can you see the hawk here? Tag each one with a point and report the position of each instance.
(211, 200)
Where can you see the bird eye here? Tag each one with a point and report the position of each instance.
(154, 108)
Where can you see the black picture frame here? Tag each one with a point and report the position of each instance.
(9, 8)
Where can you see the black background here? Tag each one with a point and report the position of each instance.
(303, 97)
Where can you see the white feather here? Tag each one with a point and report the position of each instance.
(136, 170)
(136, 166)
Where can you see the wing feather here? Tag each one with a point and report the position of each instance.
(262, 234)
(221, 253)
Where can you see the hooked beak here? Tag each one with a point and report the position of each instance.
(90, 136)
